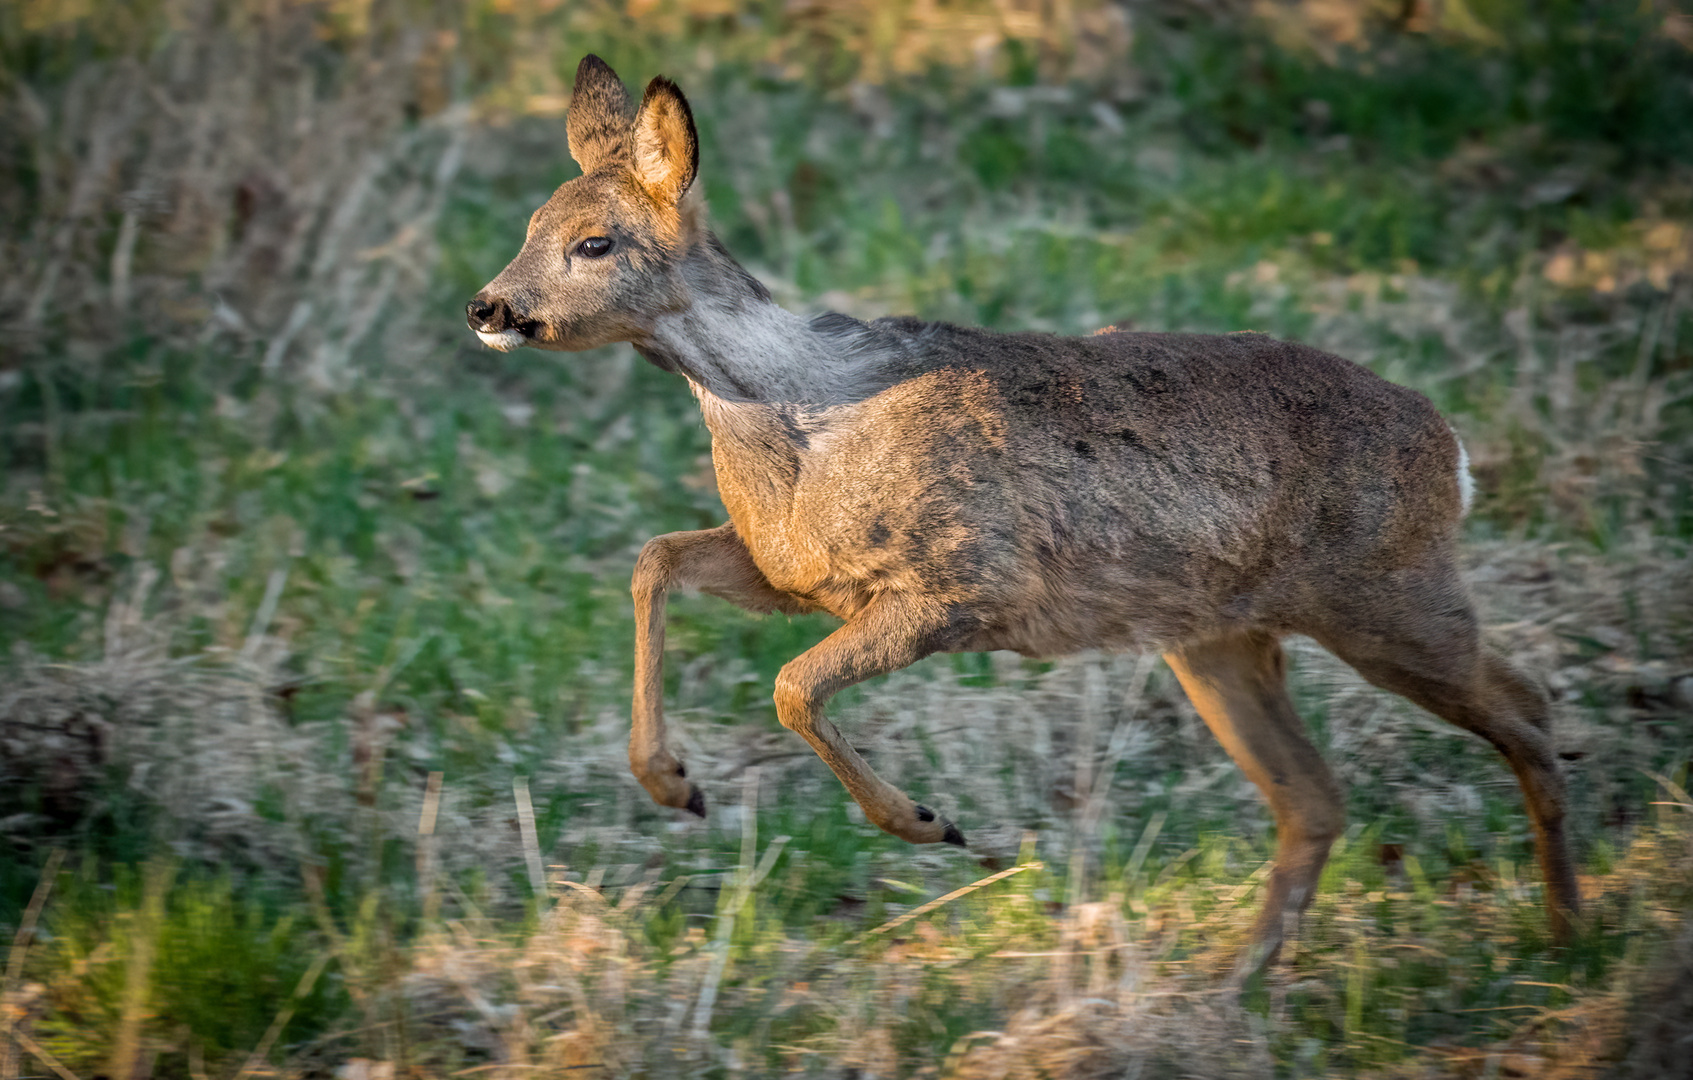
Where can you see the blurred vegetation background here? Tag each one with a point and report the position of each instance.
(315, 615)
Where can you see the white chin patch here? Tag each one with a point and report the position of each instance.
(504, 340)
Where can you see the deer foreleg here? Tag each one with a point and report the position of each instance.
(714, 561)
(891, 633)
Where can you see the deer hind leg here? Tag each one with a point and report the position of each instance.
(1416, 635)
(891, 633)
(714, 561)
(1238, 685)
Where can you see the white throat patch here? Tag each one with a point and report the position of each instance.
(762, 352)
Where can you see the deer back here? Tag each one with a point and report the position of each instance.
(1121, 490)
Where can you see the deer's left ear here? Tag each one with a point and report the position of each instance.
(666, 147)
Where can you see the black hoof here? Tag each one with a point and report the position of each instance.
(924, 813)
(953, 836)
(696, 802)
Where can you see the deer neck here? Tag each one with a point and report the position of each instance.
(735, 344)
(750, 351)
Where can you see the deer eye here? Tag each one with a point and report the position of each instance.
(594, 247)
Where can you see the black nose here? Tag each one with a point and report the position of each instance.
(482, 315)
(495, 315)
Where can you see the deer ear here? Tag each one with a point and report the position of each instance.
(598, 127)
(665, 144)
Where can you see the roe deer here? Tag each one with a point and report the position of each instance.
(941, 489)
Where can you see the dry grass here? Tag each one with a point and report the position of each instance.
(1103, 994)
(1096, 988)
(195, 739)
(219, 186)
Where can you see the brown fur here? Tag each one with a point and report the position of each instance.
(947, 489)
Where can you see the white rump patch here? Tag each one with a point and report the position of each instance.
(504, 340)
(1466, 482)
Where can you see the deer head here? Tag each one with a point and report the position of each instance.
(602, 257)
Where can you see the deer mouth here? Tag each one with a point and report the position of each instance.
(503, 340)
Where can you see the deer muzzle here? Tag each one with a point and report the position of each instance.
(497, 323)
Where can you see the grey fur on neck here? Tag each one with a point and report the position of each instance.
(735, 343)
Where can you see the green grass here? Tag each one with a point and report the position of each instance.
(452, 536)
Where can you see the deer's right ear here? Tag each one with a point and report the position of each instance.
(598, 127)
(666, 146)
